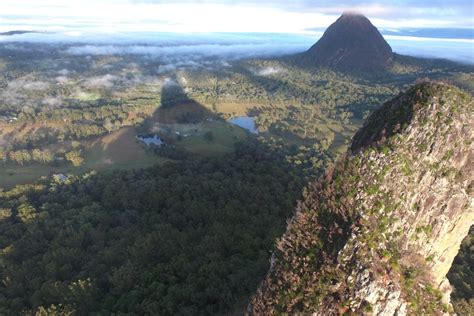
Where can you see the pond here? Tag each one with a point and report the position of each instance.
(246, 122)
(151, 139)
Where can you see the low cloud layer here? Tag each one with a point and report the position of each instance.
(267, 71)
(171, 46)
(194, 51)
(233, 51)
(106, 81)
(457, 50)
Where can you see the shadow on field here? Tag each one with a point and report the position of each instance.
(177, 107)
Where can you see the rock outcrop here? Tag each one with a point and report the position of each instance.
(351, 43)
(378, 233)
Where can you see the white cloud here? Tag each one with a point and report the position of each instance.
(169, 82)
(36, 86)
(268, 71)
(165, 68)
(62, 79)
(25, 84)
(52, 102)
(64, 72)
(106, 81)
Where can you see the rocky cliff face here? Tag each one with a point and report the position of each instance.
(351, 43)
(380, 231)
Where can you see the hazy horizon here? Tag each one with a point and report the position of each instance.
(231, 45)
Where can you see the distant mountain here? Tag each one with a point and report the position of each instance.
(435, 33)
(451, 33)
(17, 32)
(379, 232)
(351, 43)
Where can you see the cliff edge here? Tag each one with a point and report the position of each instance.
(379, 232)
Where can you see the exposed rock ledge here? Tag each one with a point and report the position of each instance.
(378, 234)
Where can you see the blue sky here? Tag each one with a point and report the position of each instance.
(225, 16)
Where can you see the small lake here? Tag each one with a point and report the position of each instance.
(151, 139)
(246, 122)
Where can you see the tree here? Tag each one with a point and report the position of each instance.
(20, 156)
(26, 212)
(42, 156)
(75, 144)
(5, 213)
(209, 136)
(75, 158)
(108, 125)
(3, 155)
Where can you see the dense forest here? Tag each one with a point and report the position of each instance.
(188, 238)
(461, 277)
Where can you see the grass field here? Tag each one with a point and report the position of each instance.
(224, 135)
(87, 96)
(121, 150)
(11, 174)
(118, 150)
(236, 109)
(166, 121)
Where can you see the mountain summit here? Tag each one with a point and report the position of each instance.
(351, 43)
